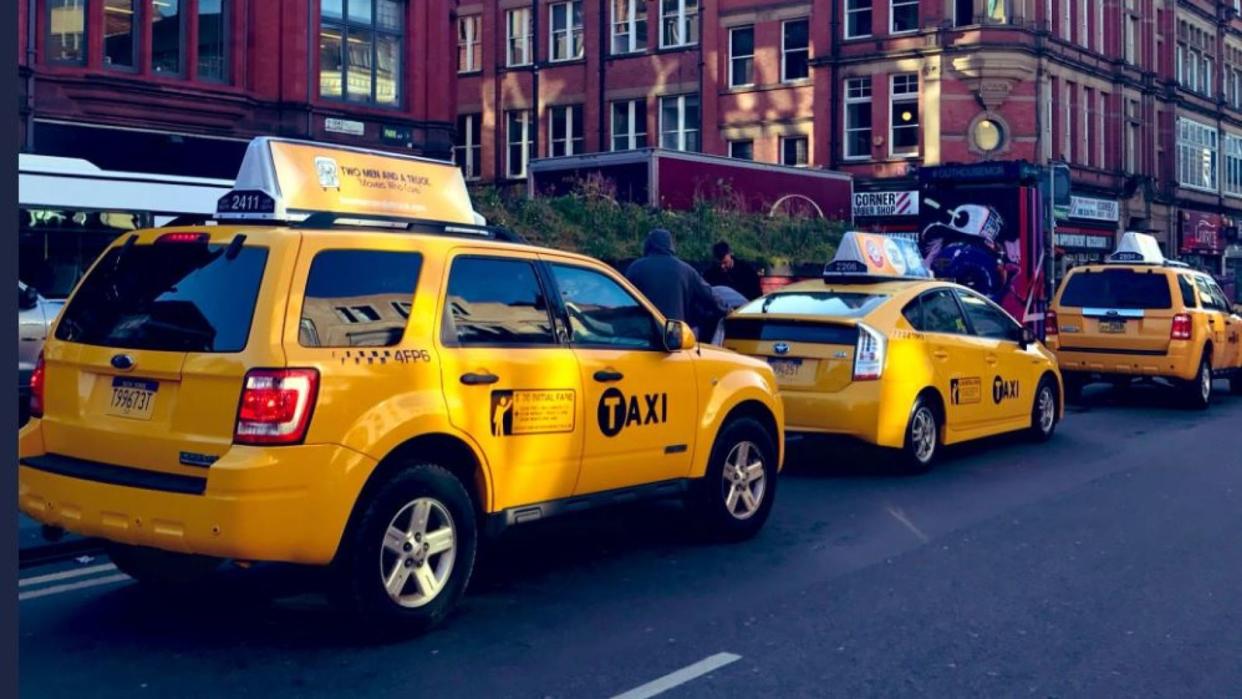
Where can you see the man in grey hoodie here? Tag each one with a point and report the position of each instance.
(675, 287)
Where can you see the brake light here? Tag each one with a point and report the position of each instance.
(276, 406)
(1050, 324)
(1182, 327)
(183, 237)
(37, 381)
(869, 354)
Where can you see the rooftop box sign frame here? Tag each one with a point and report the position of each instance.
(876, 256)
(288, 180)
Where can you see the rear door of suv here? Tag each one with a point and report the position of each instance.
(1121, 310)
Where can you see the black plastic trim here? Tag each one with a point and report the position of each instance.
(499, 521)
(1100, 350)
(117, 475)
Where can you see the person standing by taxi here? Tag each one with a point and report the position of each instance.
(727, 270)
(676, 288)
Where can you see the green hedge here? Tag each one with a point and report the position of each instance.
(591, 222)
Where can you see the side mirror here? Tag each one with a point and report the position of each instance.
(27, 298)
(678, 336)
(1028, 338)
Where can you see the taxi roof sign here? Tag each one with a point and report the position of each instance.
(877, 256)
(288, 180)
(1138, 247)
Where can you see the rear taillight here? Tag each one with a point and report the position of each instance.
(1182, 327)
(1050, 324)
(37, 381)
(276, 406)
(869, 354)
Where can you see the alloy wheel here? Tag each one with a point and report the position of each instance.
(418, 553)
(923, 434)
(745, 480)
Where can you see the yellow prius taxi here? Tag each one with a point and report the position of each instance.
(282, 386)
(879, 351)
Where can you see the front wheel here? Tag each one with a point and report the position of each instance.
(922, 438)
(734, 498)
(1044, 411)
(1198, 391)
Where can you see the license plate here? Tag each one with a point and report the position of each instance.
(793, 372)
(1112, 326)
(132, 398)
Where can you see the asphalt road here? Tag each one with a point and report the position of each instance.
(1107, 562)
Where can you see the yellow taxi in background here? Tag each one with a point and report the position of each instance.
(1140, 315)
(372, 395)
(879, 351)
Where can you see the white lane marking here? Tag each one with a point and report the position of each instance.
(680, 677)
(76, 573)
(70, 587)
(901, 517)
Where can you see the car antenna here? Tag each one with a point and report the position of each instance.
(235, 247)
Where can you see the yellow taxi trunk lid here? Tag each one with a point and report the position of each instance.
(1104, 330)
(806, 355)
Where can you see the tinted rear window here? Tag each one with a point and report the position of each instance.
(755, 329)
(172, 297)
(358, 298)
(1117, 288)
(817, 303)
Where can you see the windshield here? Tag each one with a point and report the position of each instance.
(835, 304)
(171, 296)
(1117, 288)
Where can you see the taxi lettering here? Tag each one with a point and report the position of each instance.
(1003, 390)
(617, 412)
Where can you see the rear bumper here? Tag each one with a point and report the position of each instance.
(287, 504)
(865, 411)
(1180, 361)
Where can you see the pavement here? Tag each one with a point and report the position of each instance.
(1103, 563)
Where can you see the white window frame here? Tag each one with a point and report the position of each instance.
(1086, 96)
(1130, 27)
(473, 25)
(1198, 152)
(626, 28)
(906, 97)
(684, 128)
(845, 117)
(785, 51)
(892, 16)
(1209, 71)
(637, 127)
(1233, 165)
(870, 9)
(470, 146)
(1067, 122)
(527, 127)
(733, 59)
(571, 34)
(796, 137)
(1067, 21)
(1101, 144)
(512, 42)
(1099, 27)
(1084, 24)
(570, 145)
(686, 16)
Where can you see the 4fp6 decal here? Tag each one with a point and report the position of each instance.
(618, 411)
(1003, 390)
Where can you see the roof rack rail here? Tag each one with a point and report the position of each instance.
(329, 219)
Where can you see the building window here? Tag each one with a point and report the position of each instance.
(1067, 21)
(1099, 27)
(518, 132)
(1083, 26)
(167, 32)
(1067, 121)
(213, 56)
(629, 124)
(857, 118)
(963, 13)
(629, 26)
(998, 11)
(66, 31)
(1133, 123)
(795, 50)
(679, 122)
(360, 50)
(794, 151)
(903, 16)
(988, 135)
(120, 39)
(565, 131)
(1101, 140)
(469, 46)
(518, 28)
(566, 36)
(1233, 165)
(1196, 155)
(1131, 29)
(468, 150)
(857, 18)
(681, 23)
(741, 56)
(742, 149)
(904, 112)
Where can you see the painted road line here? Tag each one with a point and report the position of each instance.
(70, 587)
(680, 677)
(65, 575)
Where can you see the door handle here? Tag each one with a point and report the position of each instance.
(941, 355)
(482, 379)
(608, 376)
(991, 359)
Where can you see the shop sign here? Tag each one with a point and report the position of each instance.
(1091, 209)
(348, 127)
(879, 204)
(1084, 241)
(1202, 233)
(399, 135)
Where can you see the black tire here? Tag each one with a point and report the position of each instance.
(919, 455)
(1074, 384)
(1198, 391)
(1043, 425)
(709, 496)
(358, 586)
(161, 569)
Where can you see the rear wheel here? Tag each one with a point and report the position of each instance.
(158, 568)
(922, 437)
(1044, 411)
(734, 498)
(1198, 391)
(406, 561)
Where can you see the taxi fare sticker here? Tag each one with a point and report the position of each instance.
(532, 412)
(966, 391)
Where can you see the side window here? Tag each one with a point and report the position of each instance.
(602, 312)
(913, 313)
(493, 301)
(1222, 301)
(1189, 299)
(942, 314)
(1206, 297)
(350, 298)
(988, 320)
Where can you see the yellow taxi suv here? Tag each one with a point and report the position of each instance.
(1142, 316)
(879, 351)
(373, 396)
